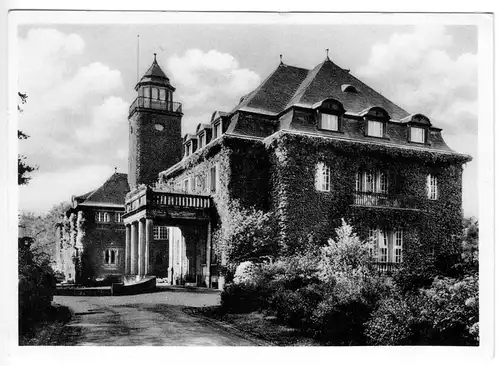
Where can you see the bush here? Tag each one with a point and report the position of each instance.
(37, 285)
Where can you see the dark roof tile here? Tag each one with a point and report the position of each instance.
(113, 191)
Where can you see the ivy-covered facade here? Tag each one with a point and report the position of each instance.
(316, 146)
(310, 147)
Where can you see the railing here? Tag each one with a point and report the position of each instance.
(386, 267)
(152, 198)
(372, 199)
(180, 200)
(161, 105)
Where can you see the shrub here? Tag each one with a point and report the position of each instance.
(391, 323)
(37, 285)
(451, 307)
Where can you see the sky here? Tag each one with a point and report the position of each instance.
(80, 81)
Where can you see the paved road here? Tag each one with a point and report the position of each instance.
(155, 319)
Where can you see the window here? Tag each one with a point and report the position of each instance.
(186, 185)
(111, 257)
(217, 130)
(192, 185)
(147, 92)
(154, 93)
(375, 129)
(101, 216)
(163, 95)
(118, 217)
(372, 181)
(202, 181)
(160, 232)
(322, 177)
(398, 246)
(432, 189)
(201, 140)
(385, 246)
(186, 148)
(417, 134)
(329, 122)
(214, 178)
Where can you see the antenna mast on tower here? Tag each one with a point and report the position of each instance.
(138, 38)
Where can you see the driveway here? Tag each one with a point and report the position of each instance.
(155, 319)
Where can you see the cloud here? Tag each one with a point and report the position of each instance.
(105, 121)
(208, 81)
(65, 94)
(416, 70)
(48, 189)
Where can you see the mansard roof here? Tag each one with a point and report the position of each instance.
(291, 86)
(273, 94)
(111, 193)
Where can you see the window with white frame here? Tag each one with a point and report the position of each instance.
(372, 181)
(160, 232)
(111, 257)
(385, 246)
(322, 181)
(398, 246)
(375, 128)
(118, 217)
(432, 187)
(417, 134)
(329, 122)
(101, 216)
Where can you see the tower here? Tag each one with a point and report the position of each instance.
(155, 141)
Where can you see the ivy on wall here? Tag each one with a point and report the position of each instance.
(305, 214)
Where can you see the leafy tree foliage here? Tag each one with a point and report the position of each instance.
(42, 230)
(23, 168)
(248, 234)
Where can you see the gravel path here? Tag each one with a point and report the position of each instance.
(155, 319)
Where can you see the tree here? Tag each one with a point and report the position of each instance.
(23, 168)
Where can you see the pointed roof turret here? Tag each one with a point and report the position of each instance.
(155, 76)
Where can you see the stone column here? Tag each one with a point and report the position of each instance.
(133, 249)
(149, 237)
(127, 249)
(209, 254)
(140, 253)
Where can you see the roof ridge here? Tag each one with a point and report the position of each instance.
(299, 93)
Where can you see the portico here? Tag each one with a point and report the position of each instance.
(148, 207)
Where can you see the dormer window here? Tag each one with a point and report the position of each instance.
(417, 134)
(201, 140)
(329, 122)
(375, 128)
(348, 88)
(217, 129)
(329, 112)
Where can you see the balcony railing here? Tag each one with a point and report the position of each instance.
(151, 198)
(371, 199)
(386, 267)
(161, 105)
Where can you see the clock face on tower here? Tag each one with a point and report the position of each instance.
(159, 127)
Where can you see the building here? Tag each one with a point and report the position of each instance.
(310, 146)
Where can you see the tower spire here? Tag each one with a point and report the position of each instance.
(327, 56)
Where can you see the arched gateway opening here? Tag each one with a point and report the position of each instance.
(168, 234)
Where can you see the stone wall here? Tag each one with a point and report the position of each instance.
(150, 150)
